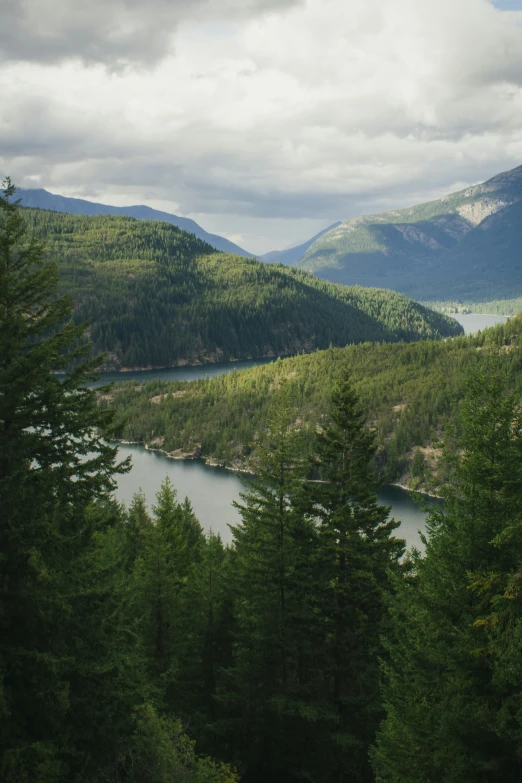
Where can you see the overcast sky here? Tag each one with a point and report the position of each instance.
(264, 120)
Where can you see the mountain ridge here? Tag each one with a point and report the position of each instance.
(157, 296)
(295, 253)
(414, 250)
(39, 198)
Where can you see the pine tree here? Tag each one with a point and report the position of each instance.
(137, 525)
(261, 688)
(453, 686)
(75, 703)
(162, 575)
(53, 467)
(356, 553)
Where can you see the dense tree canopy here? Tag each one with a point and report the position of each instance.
(453, 684)
(76, 701)
(409, 393)
(158, 296)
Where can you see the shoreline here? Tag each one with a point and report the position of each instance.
(180, 456)
(197, 364)
(185, 456)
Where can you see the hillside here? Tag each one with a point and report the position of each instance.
(464, 246)
(410, 391)
(39, 198)
(157, 297)
(293, 254)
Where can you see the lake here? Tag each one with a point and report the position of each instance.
(471, 322)
(213, 490)
(475, 322)
(189, 373)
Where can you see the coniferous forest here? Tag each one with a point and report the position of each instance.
(411, 393)
(136, 649)
(157, 296)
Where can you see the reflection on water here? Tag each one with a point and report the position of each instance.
(213, 490)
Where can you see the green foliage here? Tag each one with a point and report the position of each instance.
(355, 555)
(127, 637)
(75, 695)
(158, 297)
(489, 307)
(265, 689)
(163, 753)
(409, 392)
(452, 693)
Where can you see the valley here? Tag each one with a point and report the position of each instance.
(261, 391)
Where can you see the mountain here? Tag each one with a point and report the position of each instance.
(42, 199)
(294, 254)
(465, 246)
(157, 296)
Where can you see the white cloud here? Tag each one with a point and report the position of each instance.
(297, 117)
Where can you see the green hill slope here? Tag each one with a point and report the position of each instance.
(159, 297)
(410, 391)
(468, 240)
(42, 199)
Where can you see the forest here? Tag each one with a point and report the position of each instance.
(157, 296)
(136, 649)
(411, 393)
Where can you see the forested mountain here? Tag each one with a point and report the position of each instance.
(411, 392)
(42, 199)
(465, 246)
(158, 296)
(294, 254)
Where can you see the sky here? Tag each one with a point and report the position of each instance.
(263, 120)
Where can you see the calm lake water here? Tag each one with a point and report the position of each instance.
(474, 322)
(193, 373)
(213, 490)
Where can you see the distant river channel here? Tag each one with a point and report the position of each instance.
(213, 490)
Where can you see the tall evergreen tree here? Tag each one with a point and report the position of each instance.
(453, 686)
(162, 575)
(74, 697)
(356, 553)
(261, 688)
(53, 465)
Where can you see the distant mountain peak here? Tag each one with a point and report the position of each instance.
(432, 251)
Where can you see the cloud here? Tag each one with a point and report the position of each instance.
(310, 111)
(113, 32)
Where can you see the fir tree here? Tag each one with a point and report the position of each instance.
(53, 466)
(356, 553)
(261, 688)
(452, 689)
(75, 702)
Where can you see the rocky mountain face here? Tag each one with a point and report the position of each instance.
(465, 245)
